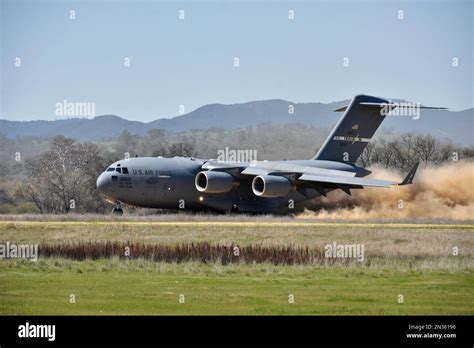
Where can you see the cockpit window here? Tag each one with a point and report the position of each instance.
(111, 169)
(119, 170)
(124, 170)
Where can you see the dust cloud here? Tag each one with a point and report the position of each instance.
(438, 192)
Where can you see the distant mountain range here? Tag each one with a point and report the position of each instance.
(455, 125)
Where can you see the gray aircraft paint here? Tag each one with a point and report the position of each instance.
(169, 183)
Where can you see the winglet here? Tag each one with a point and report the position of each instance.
(411, 174)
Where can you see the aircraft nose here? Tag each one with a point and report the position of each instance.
(102, 182)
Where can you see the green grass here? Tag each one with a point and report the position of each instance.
(142, 287)
(415, 260)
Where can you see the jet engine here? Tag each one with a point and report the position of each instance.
(271, 186)
(214, 182)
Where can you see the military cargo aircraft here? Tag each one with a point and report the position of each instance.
(258, 186)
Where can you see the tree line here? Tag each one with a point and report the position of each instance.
(58, 175)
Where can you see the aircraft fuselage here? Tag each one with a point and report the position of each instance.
(169, 183)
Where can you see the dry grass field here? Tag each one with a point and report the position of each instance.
(401, 257)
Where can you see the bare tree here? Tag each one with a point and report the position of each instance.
(403, 151)
(427, 148)
(63, 178)
(181, 149)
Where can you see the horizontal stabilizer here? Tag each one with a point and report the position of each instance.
(401, 105)
(344, 108)
(392, 106)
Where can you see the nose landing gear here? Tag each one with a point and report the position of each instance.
(117, 211)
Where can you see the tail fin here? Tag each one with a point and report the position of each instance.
(354, 130)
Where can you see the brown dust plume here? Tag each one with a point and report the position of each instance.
(438, 192)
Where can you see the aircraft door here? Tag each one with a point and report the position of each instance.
(166, 185)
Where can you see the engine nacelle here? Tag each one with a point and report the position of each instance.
(271, 186)
(214, 182)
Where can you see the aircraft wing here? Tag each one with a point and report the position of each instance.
(306, 173)
(268, 168)
(222, 165)
(264, 168)
(339, 180)
(318, 175)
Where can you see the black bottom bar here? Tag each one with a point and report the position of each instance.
(391, 330)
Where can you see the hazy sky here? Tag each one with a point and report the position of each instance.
(190, 62)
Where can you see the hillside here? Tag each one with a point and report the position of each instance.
(454, 125)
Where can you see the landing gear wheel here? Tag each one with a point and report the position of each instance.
(117, 211)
